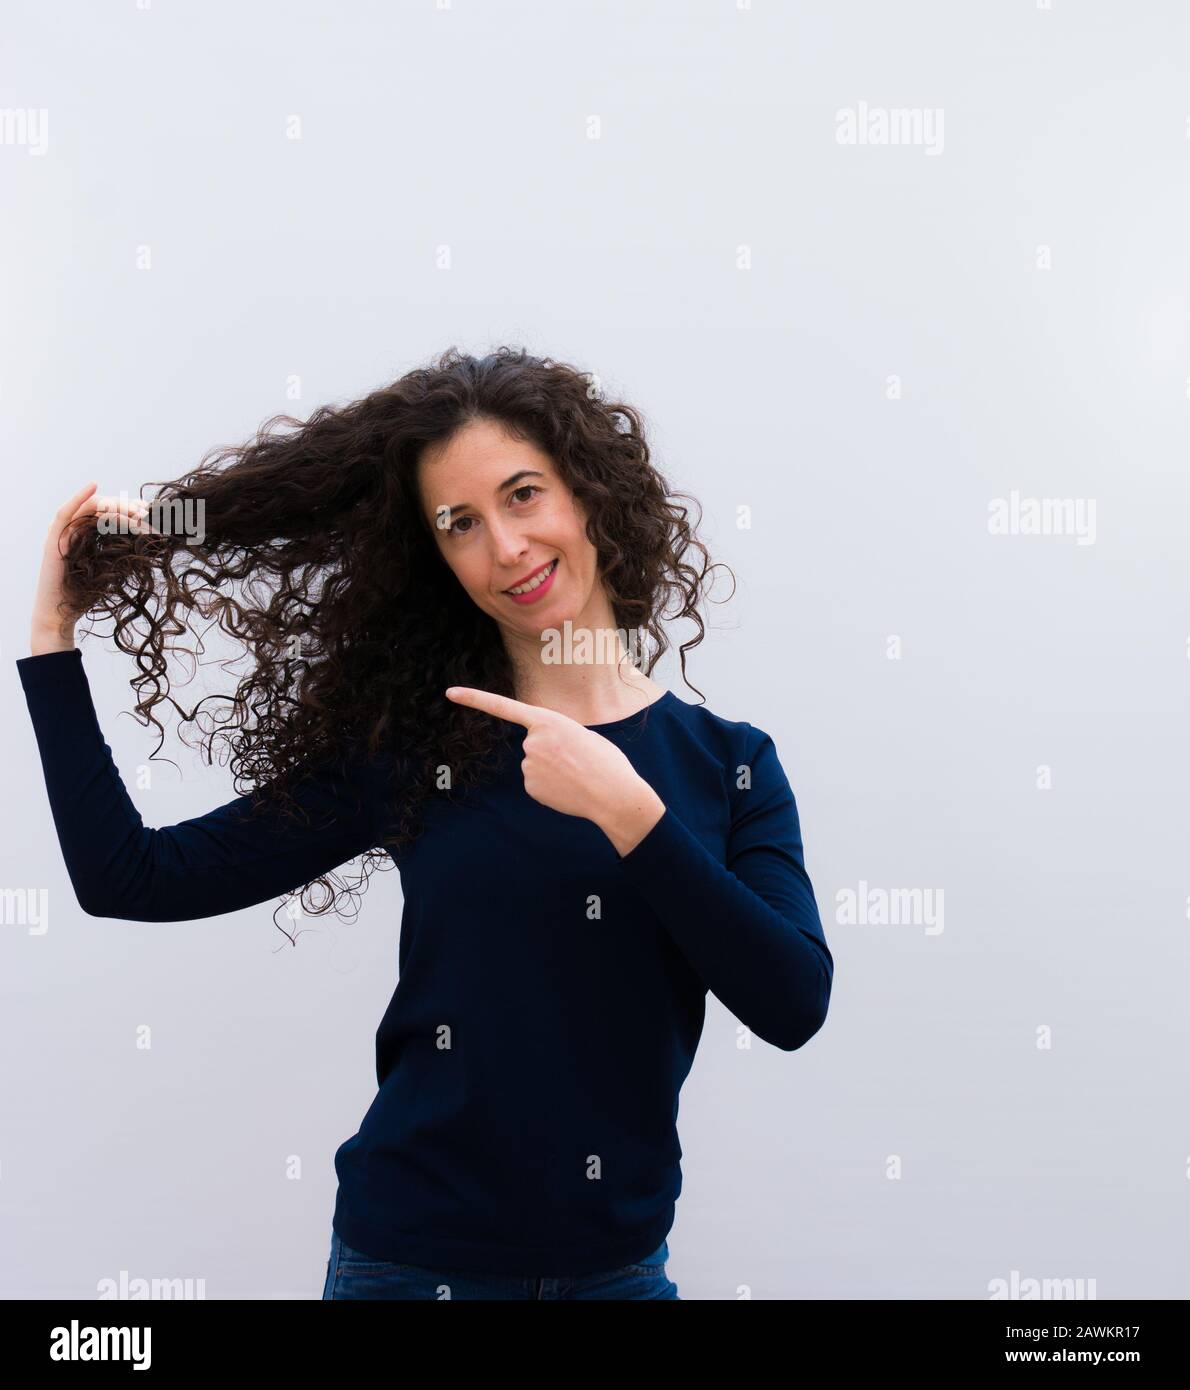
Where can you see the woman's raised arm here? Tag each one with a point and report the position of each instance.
(212, 864)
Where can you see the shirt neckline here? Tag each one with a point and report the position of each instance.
(630, 718)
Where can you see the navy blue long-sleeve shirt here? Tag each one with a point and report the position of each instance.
(550, 993)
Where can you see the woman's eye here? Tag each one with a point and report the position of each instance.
(453, 529)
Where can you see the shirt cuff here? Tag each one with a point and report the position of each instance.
(47, 668)
(664, 848)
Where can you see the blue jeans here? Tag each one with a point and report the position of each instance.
(350, 1274)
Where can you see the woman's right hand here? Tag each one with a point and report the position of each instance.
(52, 625)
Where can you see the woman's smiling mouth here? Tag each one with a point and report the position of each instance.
(536, 585)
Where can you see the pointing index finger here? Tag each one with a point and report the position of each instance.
(516, 711)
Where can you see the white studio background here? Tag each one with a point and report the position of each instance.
(880, 276)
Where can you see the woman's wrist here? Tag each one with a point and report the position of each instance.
(42, 641)
(627, 824)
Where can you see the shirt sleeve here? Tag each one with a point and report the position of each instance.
(749, 927)
(215, 863)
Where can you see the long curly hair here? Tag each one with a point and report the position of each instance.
(314, 551)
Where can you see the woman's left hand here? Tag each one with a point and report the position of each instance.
(574, 770)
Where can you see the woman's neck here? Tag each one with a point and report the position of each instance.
(588, 694)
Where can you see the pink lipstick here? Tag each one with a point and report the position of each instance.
(541, 590)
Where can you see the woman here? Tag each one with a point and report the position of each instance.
(458, 563)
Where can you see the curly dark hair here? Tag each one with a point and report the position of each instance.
(358, 636)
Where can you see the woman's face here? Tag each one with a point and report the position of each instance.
(500, 514)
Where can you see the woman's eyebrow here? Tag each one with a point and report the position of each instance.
(504, 486)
